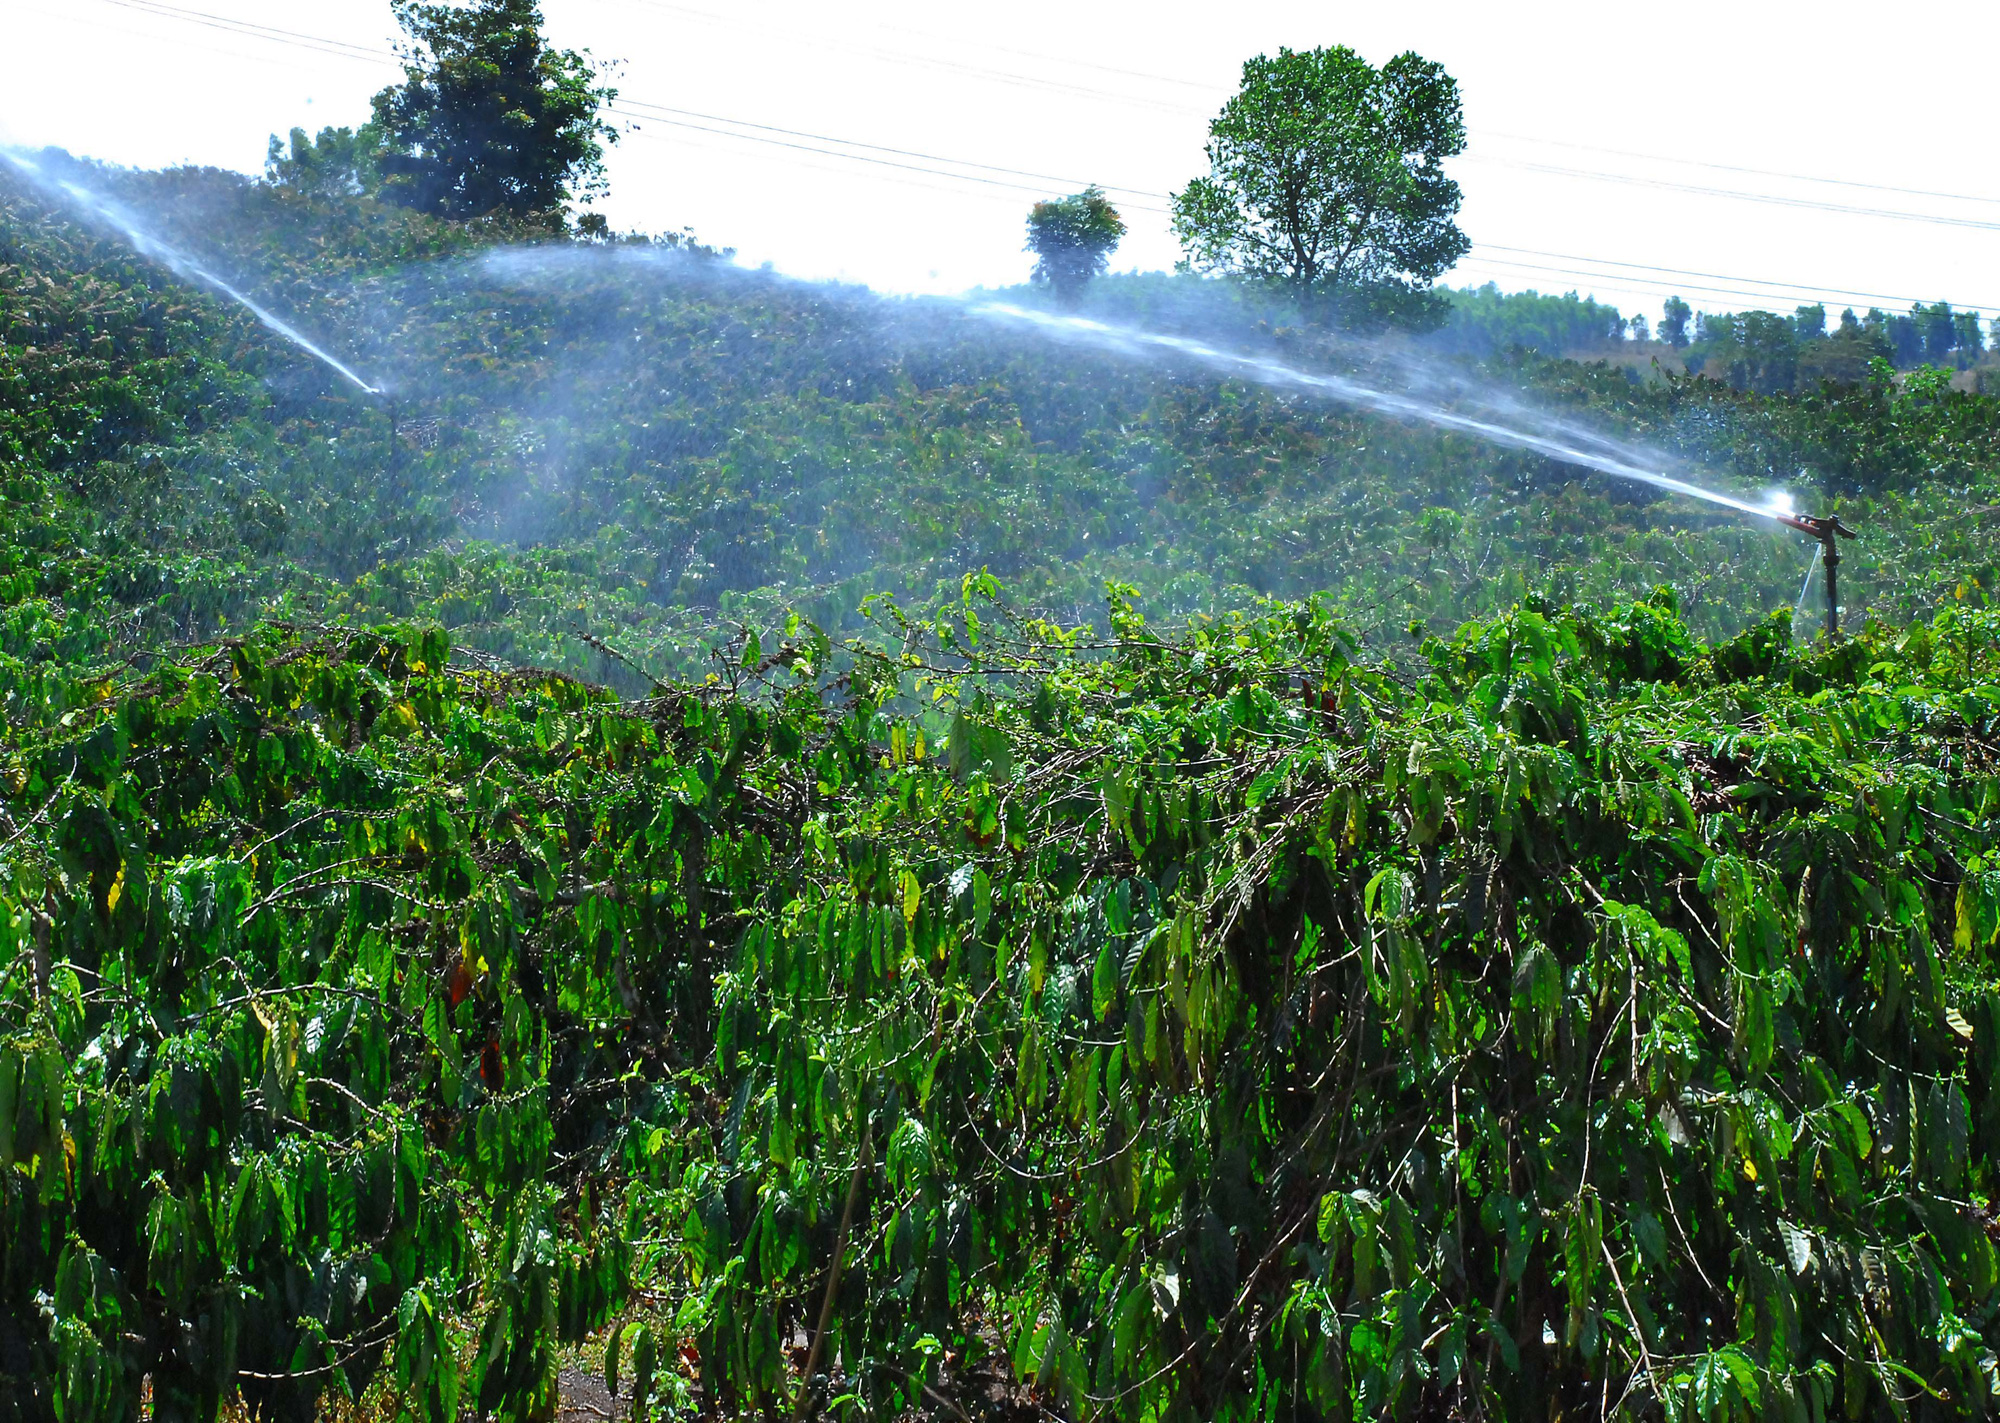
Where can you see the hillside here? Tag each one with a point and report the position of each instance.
(840, 855)
(638, 442)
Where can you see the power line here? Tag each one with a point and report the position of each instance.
(347, 50)
(807, 142)
(1002, 76)
(850, 157)
(682, 140)
(1803, 287)
(1738, 168)
(1591, 281)
(339, 48)
(155, 7)
(663, 109)
(177, 37)
(1774, 199)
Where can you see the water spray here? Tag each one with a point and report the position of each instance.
(179, 262)
(1566, 445)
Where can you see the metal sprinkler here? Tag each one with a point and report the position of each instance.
(1827, 529)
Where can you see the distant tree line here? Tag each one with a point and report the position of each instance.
(1763, 351)
(1768, 352)
(1485, 321)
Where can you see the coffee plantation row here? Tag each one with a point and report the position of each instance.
(981, 1015)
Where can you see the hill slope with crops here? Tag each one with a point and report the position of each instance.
(843, 859)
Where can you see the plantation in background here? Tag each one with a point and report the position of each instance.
(639, 445)
(658, 825)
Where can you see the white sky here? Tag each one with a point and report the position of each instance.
(1623, 97)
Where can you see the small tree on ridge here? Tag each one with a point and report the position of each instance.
(1072, 239)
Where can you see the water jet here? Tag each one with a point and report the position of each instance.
(178, 262)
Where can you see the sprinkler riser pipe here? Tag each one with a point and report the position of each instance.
(1829, 531)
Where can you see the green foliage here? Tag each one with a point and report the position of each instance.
(1769, 353)
(488, 119)
(611, 451)
(340, 162)
(1324, 175)
(1183, 1004)
(1485, 321)
(1674, 318)
(1072, 239)
(1199, 1024)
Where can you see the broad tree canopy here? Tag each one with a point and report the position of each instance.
(488, 118)
(1325, 175)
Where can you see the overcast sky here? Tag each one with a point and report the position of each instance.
(1765, 153)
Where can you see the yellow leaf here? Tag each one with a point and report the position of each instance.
(117, 891)
(911, 896)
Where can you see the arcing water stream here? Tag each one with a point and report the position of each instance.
(1553, 438)
(1555, 443)
(177, 261)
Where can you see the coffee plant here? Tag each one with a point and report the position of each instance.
(986, 1014)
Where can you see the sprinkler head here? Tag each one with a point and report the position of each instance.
(1823, 528)
(1829, 531)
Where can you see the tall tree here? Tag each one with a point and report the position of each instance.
(1937, 329)
(1971, 340)
(1674, 317)
(1325, 174)
(1906, 341)
(488, 118)
(1072, 239)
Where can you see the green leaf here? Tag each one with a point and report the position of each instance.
(1104, 982)
(643, 1363)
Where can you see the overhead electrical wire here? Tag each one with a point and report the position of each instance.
(346, 49)
(1483, 134)
(1588, 281)
(1001, 76)
(852, 157)
(1220, 93)
(942, 167)
(156, 7)
(1775, 199)
(1643, 267)
(340, 49)
(180, 38)
(662, 113)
